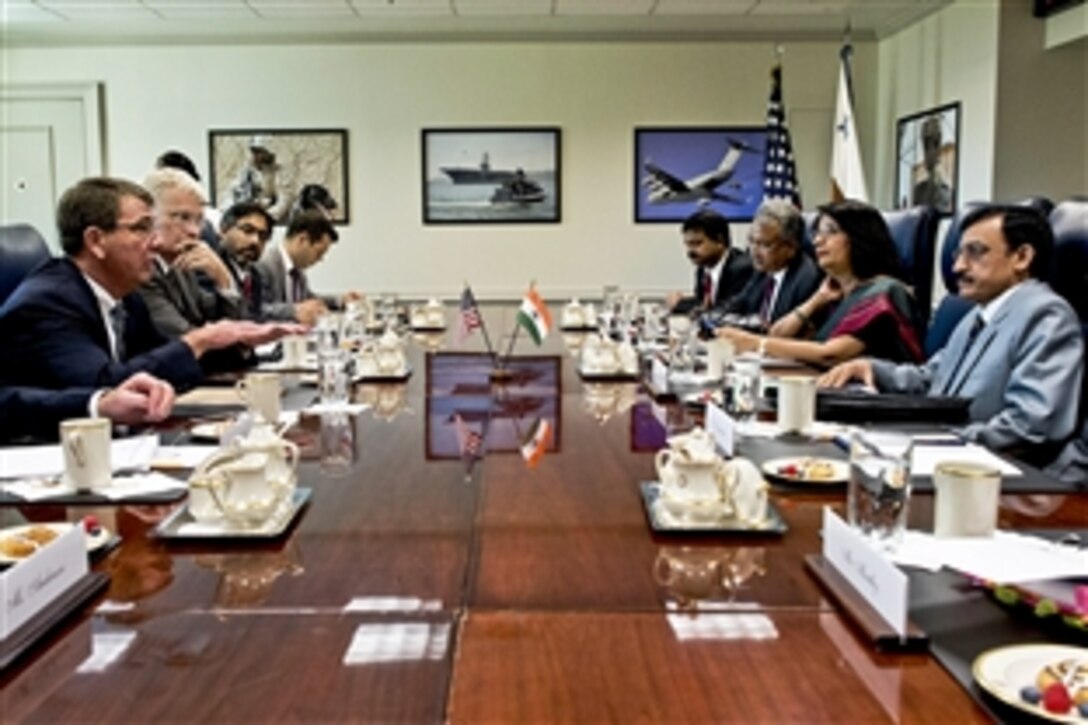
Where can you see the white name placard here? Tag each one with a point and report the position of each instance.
(659, 376)
(721, 427)
(30, 585)
(869, 571)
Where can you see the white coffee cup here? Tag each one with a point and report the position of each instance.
(86, 446)
(719, 355)
(261, 394)
(967, 499)
(294, 350)
(796, 403)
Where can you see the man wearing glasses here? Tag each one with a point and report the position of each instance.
(177, 300)
(785, 276)
(76, 320)
(1018, 356)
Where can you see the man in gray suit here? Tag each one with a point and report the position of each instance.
(1018, 356)
(285, 290)
(174, 295)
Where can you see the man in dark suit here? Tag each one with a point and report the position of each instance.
(285, 287)
(720, 271)
(76, 320)
(244, 230)
(785, 276)
(37, 413)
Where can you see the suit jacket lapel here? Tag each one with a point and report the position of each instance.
(89, 303)
(982, 343)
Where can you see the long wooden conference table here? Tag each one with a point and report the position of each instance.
(420, 587)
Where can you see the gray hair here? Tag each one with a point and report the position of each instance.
(791, 227)
(160, 181)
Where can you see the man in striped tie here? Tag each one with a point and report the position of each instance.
(720, 271)
(1017, 356)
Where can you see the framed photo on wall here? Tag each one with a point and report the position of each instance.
(679, 171)
(927, 159)
(491, 175)
(276, 167)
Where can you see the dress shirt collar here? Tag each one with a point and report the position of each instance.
(715, 273)
(106, 302)
(989, 310)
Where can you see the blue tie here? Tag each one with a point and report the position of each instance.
(118, 318)
(976, 328)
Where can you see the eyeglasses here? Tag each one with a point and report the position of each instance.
(764, 244)
(248, 229)
(972, 251)
(142, 228)
(185, 217)
(827, 229)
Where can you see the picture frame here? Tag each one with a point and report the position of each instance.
(471, 175)
(300, 157)
(680, 170)
(927, 159)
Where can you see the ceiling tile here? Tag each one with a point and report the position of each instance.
(96, 10)
(703, 7)
(25, 12)
(503, 7)
(603, 7)
(402, 7)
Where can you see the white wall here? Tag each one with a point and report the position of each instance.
(159, 97)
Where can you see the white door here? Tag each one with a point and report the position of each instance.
(50, 138)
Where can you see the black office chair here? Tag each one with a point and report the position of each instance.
(21, 250)
(1069, 221)
(914, 232)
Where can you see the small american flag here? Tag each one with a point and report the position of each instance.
(470, 442)
(779, 169)
(469, 319)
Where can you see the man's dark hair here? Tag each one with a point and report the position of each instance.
(174, 159)
(1021, 226)
(315, 196)
(872, 251)
(240, 211)
(93, 202)
(710, 223)
(314, 224)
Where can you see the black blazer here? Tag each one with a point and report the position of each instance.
(56, 338)
(803, 278)
(252, 301)
(735, 275)
(30, 412)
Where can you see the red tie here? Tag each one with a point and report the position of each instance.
(768, 295)
(708, 289)
(296, 285)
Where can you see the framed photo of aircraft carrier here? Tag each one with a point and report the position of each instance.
(491, 175)
(275, 167)
(680, 170)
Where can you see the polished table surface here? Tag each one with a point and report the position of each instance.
(421, 587)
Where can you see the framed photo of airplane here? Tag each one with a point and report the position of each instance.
(681, 170)
(491, 175)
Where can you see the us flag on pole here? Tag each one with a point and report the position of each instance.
(779, 170)
(469, 319)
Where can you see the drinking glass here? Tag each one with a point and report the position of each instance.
(878, 493)
(743, 383)
(328, 333)
(337, 444)
(332, 376)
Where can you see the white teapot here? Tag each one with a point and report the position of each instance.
(248, 482)
(600, 356)
(694, 480)
(574, 314)
(432, 314)
(384, 358)
(748, 492)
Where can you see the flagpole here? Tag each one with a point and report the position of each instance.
(483, 325)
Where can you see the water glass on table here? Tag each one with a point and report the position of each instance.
(878, 492)
(743, 383)
(332, 376)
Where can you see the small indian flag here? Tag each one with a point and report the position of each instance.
(538, 440)
(534, 316)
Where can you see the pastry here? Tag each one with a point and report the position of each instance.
(1072, 673)
(40, 535)
(17, 547)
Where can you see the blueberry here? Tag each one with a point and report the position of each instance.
(1031, 694)
(1083, 709)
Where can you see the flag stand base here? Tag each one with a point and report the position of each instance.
(501, 374)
